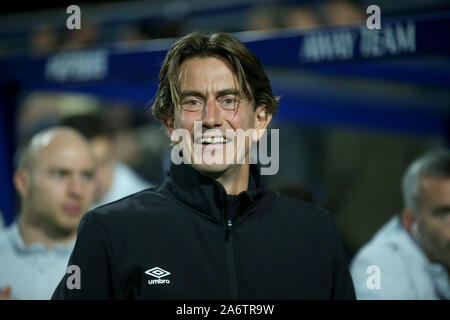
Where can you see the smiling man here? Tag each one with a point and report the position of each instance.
(212, 230)
(212, 102)
(54, 179)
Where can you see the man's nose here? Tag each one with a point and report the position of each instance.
(75, 186)
(212, 115)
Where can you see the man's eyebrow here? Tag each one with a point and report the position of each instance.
(441, 209)
(69, 171)
(191, 93)
(89, 172)
(231, 91)
(221, 93)
(59, 168)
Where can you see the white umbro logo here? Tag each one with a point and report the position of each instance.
(158, 273)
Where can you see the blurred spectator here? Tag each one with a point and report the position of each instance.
(343, 13)
(160, 27)
(138, 140)
(124, 118)
(412, 251)
(154, 152)
(265, 17)
(301, 17)
(38, 111)
(155, 28)
(44, 39)
(131, 35)
(54, 179)
(87, 36)
(42, 110)
(114, 179)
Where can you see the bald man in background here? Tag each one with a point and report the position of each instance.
(54, 179)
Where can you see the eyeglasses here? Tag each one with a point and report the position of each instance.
(195, 104)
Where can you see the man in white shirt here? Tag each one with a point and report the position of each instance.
(54, 179)
(113, 178)
(409, 258)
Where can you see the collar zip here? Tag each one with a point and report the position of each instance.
(207, 196)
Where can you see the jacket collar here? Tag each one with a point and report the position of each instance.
(209, 197)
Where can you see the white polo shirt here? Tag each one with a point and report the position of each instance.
(405, 273)
(33, 272)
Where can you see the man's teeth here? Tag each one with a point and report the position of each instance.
(213, 140)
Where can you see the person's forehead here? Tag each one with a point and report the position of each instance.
(68, 153)
(200, 71)
(432, 181)
(435, 187)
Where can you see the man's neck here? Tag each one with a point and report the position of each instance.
(35, 233)
(234, 180)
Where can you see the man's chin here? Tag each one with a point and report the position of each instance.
(65, 229)
(68, 224)
(211, 168)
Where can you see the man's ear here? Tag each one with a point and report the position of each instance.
(408, 219)
(21, 179)
(262, 120)
(170, 125)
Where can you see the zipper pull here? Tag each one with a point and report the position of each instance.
(228, 229)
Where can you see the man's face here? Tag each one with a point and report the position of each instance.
(61, 186)
(210, 93)
(434, 218)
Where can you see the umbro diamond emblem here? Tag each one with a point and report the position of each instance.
(158, 273)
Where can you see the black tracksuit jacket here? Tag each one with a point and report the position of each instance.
(188, 239)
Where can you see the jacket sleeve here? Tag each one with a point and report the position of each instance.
(93, 260)
(343, 288)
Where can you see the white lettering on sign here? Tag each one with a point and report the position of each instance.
(77, 66)
(391, 40)
(328, 46)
